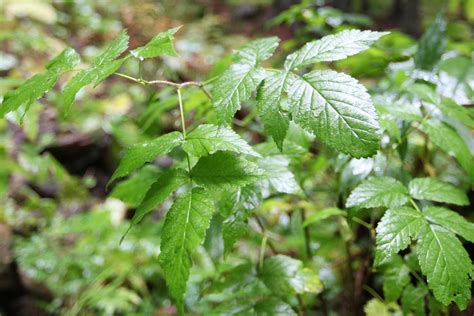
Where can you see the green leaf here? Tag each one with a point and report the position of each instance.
(256, 51)
(184, 229)
(413, 300)
(450, 220)
(337, 109)
(224, 171)
(139, 154)
(240, 203)
(233, 87)
(375, 307)
(378, 192)
(457, 112)
(103, 66)
(168, 182)
(285, 276)
(161, 44)
(269, 100)
(323, 214)
(396, 275)
(332, 47)
(431, 45)
(35, 87)
(446, 264)
(273, 306)
(207, 139)
(279, 176)
(435, 190)
(450, 142)
(397, 228)
(133, 190)
(237, 83)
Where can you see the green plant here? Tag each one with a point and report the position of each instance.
(218, 178)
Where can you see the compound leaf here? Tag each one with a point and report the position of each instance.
(337, 109)
(224, 171)
(256, 51)
(435, 190)
(184, 229)
(378, 192)
(139, 154)
(207, 139)
(332, 47)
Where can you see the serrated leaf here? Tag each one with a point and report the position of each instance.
(397, 228)
(103, 66)
(333, 47)
(269, 99)
(184, 229)
(285, 276)
(256, 51)
(446, 264)
(224, 171)
(435, 190)
(207, 139)
(413, 300)
(337, 109)
(450, 220)
(279, 176)
(168, 182)
(35, 87)
(139, 154)
(378, 192)
(396, 275)
(240, 202)
(273, 306)
(450, 142)
(133, 190)
(233, 87)
(160, 44)
(431, 45)
(323, 214)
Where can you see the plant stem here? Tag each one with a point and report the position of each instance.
(183, 123)
(262, 251)
(307, 236)
(414, 204)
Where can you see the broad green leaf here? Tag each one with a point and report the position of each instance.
(397, 228)
(332, 47)
(273, 306)
(256, 51)
(450, 142)
(207, 139)
(237, 83)
(103, 66)
(376, 307)
(450, 220)
(455, 78)
(139, 154)
(431, 45)
(233, 87)
(337, 109)
(168, 182)
(413, 300)
(378, 192)
(279, 176)
(446, 264)
(161, 44)
(240, 203)
(269, 99)
(133, 190)
(396, 275)
(457, 112)
(435, 190)
(35, 87)
(224, 171)
(323, 214)
(285, 276)
(184, 229)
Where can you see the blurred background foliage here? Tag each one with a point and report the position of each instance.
(60, 229)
